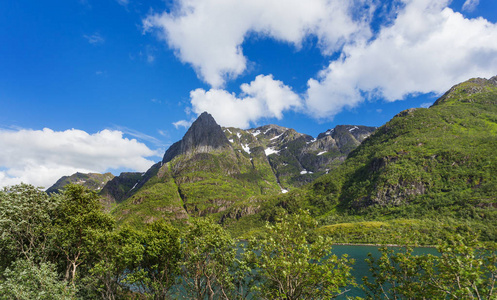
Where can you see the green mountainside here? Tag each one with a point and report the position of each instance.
(429, 171)
(200, 175)
(226, 172)
(425, 170)
(229, 173)
(444, 153)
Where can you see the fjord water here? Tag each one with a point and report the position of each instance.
(361, 268)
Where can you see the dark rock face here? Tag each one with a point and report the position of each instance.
(297, 158)
(204, 136)
(120, 186)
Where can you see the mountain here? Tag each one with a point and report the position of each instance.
(297, 158)
(199, 175)
(437, 162)
(93, 181)
(204, 136)
(227, 172)
(428, 169)
(120, 188)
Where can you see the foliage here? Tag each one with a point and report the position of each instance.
(289, 267)
(25, 219)
(161, 259)
(462, 271)
(79, 221)
(27, 280)
(117, 256)
(209, 257)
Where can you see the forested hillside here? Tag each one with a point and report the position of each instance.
(428, 169)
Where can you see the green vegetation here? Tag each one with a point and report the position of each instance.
(209, 261)
(289, 267)
(464, 270)
(68, 248)
(426, 176)
(431, 171)
(158, 199)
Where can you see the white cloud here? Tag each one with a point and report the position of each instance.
(470, 5)
(208, 34)
(262, 98)
(139, 135)
(428, 48)
(40, 157)
(94, 39)
(182, 123)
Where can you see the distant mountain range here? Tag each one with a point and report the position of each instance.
(212, 169)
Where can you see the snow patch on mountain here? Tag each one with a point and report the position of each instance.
(329, 131)
(270, 151)
(246, 148)
(276, 137)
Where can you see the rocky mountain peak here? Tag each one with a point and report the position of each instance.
(203, 136)
(359, 132)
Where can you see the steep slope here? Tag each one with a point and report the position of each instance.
(199, 175)
(204, 136)
(227, 172)
(435, 162)
(297, 158)
(120, 187)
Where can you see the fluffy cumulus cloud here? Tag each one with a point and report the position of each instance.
(208, 34)
(40, 157)
(420, 46)
(427, 48)
(264, 97)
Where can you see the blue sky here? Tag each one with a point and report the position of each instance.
(108, 85)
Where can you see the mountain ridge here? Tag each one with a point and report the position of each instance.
(227, 166)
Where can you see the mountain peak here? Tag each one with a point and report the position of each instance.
(472, 90)
(204, 135)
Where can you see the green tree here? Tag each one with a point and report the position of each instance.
(208, 262)
(27, 280)
(161, 259)
(25, 223)
(289, 267)
(464, 270)
(79, 221)
(399, 274)
(118, 255)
